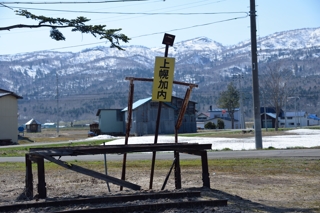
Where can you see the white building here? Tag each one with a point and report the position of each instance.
(293, 119)
(214, 114)
(9, 116)
(224, 115)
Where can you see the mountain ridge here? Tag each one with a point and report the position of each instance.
(100, 71)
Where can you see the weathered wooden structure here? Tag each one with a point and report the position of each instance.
(38, 155)
(33, 126)
(94, 127)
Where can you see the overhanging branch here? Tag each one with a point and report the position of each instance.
(32, 26)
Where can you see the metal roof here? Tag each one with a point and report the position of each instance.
(313, 116)
(137, 104)
(31, 121)
(222, 118)
(220, 110)
(272, 115)
(99, 110)
(295, 114)
(6, 92)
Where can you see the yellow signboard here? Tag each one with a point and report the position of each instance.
(163, 79)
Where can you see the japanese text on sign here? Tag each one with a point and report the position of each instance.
(163, 79)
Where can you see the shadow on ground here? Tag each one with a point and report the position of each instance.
(244, 205)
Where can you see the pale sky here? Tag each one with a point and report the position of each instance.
(228, 26)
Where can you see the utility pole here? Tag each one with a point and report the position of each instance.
(255, 79)
(57, 104)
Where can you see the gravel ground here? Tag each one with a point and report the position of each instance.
(245, 193)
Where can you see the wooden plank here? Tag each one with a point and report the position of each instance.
(151, 80)
(116, 149)
(92, 173)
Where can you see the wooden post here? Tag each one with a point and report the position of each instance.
(128, 127)
(157, 131)
(205, 170)
(177, 170)
(42, 191)
(29, 178)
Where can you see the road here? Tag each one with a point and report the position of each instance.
(307, 153)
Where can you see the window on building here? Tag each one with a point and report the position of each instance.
(289, 118)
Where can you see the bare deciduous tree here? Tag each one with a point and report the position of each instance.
(274, 86)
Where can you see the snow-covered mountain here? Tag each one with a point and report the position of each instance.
(100, 71)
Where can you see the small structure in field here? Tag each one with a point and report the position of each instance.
(33, 126)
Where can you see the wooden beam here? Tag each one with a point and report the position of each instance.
(92, 173)
(151, 80)
(205, 170)
(42, 190)
(116, 149)
(29, 177)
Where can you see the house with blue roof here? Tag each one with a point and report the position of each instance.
(287, 119)
(313, 120)
(268, 117)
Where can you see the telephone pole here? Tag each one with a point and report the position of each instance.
(255, 79)
(57, 104)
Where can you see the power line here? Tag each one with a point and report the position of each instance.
(77, 2)
(199, 25)
(129, 13)
(5, 6)
(177, 29)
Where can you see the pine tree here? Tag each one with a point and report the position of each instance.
(229, 100)
(78, 25)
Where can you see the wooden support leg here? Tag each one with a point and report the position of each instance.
(167, 177)
(29, 178)
(42, 191)
(152, 169)
(205, 169)
(177, 171)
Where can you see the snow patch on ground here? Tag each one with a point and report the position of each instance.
(303, 138)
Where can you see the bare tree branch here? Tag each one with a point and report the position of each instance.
(77, 25)
(275, 87)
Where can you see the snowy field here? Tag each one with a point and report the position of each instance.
(302, 138)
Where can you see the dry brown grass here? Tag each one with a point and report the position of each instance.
(251, 185)
(51, 135)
